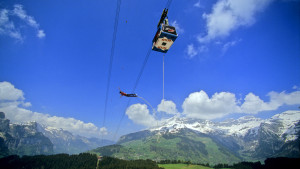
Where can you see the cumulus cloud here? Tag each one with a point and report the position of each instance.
(103, 131)
(199, 105)
(228, 15)
(253, 104)
(26, 104)
(9, 19)
(12, 100)
(139, 114)
(167, 106)
(9, 92)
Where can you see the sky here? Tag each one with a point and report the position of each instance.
(231, 59)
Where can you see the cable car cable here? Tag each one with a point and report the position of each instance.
(111, 58)
(168, 4)
(142, 69)
(163, 77)
(135, 86)
(138, 78)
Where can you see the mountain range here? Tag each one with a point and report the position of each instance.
(178, 138)
(33, 138)
(203, 141)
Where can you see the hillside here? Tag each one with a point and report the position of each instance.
(33, 138)
(185, 145)
(203, 141)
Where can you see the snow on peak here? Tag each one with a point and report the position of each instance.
(286, 124)
(234, 127)
(241, 126)
(237, 127)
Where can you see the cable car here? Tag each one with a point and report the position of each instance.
(165, 35)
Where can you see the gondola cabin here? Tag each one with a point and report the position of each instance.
(165, 35)
(164, 38)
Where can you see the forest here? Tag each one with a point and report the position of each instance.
(110, 163)
(58, 161)
(90, 161)
(65, 161)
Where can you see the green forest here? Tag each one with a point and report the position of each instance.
(90, 161)
(110, 163)
(58, 161)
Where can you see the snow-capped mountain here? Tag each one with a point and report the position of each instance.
(239, 127)
(248, 136)
(22, 139)
(65, 142)
(32, 138)
(286, 123)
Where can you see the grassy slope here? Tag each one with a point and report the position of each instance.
(182, 166)
(193, 148)
(187, 147)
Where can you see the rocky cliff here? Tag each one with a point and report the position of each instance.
(22, 139)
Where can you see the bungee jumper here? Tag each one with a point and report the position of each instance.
(127, 95)
(165, 34)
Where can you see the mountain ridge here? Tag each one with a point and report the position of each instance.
(32, 138)
(246, 138)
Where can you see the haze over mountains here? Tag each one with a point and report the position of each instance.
(201, 141)
(33, 138)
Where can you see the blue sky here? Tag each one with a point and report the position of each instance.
(230, 59)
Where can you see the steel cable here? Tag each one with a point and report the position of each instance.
(111, 59)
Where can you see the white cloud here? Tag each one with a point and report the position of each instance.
(7, 27)
(41, 34)
(179, 29)
(167, 106)
(139, 114)
(26, 104)
(191, 51)
(103, 131)
(199, 105)
(9, 92)
(198, 4)
(253, 104)
(8, 22)
(296, 87)
(227, 45)
(11, 100)
(228, 15)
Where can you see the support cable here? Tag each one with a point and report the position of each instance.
(135, 86)
(111, 58)
(168, 4)
(163, 77)
(138, 78)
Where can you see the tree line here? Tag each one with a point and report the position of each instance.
(181, 162)
(89, 161)
(80, 161)
(270, 163)
(114, 163)
(58, 161)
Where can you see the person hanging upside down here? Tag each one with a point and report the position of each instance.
(127, 95)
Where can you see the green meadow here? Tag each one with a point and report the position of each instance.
(182, 166)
